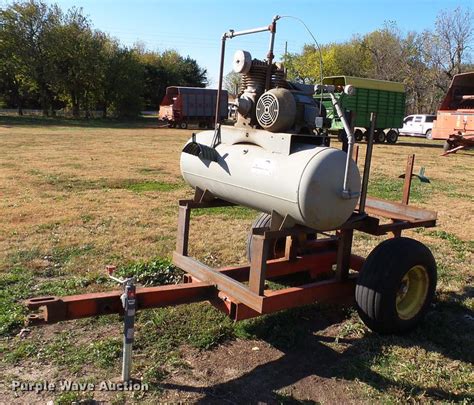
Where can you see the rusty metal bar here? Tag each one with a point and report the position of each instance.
(182, 237)
(367, 163)
(217, 202)
(323, 291)
(344, 254)
(223, 282)
(396, 210)
(85, 305)
(315, 264)
(407, 181)
(258, 263)
(402, 225)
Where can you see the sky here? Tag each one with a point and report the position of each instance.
(195, 27)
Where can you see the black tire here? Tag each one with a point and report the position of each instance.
(342, 136)
(391, 136)
(183, 125)
(379, 136)
(448, 145)
(264, 221)
(383, 280)
(366, 134)
(358, 135)
(429, 134)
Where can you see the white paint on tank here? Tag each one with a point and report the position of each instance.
(305, 183)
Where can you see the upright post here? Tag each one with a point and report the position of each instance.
(368, 160)
(182, 237)
(258, 264)
(129, 306)
(407, 182)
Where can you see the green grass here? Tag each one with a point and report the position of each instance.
(236, 212)
(66, 398)
(71, 183)
(64, 182)
(460, 247)
(429, 364)
(64, 350)
(153, 272)
(146, 186)
(14, 287)
(392, 188)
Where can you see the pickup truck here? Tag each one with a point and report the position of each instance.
(418, 125)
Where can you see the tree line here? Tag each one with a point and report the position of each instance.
(424, 62)
(53, 59)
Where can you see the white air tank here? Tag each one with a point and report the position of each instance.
(305, 183)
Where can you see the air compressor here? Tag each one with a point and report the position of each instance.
(274, 159)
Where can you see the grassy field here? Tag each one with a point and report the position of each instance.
(76, 196)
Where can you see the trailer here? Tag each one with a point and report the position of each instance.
(182, 106)
(312, 199)
(385, 98)
(455, 119)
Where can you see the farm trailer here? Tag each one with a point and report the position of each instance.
(455, 119)
(245, 165)
(385, 98)
(182, 106)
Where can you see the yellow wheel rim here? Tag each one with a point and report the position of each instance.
(412, 292)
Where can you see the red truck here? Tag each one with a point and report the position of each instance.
(455, 119)
(182, 106)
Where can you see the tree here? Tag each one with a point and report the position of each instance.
(76, 58)
(122, 83)
(166, 69)
(453, 36)
(25, 30)
(232, 82)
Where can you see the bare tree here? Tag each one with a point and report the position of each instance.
(454, 32)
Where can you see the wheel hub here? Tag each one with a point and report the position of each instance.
(412, 292)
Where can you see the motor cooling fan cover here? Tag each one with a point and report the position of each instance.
(276, 110)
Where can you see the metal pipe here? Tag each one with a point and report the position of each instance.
(270, 55)
(346, 193)
(216, 139)
(368, 161)
(232, 33)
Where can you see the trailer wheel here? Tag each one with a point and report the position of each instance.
(342, 136)
(396, 285)
(392, 136)
(358, 135)
(183, 125)
(379, 136)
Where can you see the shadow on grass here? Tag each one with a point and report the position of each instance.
(378, 361)
(140, 122)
